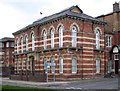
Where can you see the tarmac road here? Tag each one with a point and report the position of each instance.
(99, 83)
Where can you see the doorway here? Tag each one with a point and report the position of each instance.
(116, 61)
(32, 65)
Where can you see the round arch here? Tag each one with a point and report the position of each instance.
(76, 25)
(98, 28)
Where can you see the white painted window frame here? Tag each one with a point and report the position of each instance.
(97, 39)
(45, 39)
(21, 44)
(33, 40)
(60, 36)
(74, 65)
(26, 40)
(108, 41)
(74, 36)
(52, 38)
(61, 65)
(97, 65)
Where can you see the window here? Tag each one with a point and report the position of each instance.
(45, 66)
(7, 44)
(17, 65)
(22, 63)
(27, 65)
(116, 57)
(26, 40)
(109, 66)
(74, 30)
(32, 41)
(97, 66)
(12, 44)
(60, 36)
(98, 39)
(53, 67)
(108, 41)
(22, 45)
(45, 42)
(74, 65)
(52, 38)
(61, 65)
(17, 46)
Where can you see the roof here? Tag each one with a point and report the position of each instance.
(65, 12)
(107, 14)
(5, 39)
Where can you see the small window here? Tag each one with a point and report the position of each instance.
(61, 65)
(108, 41)
(74, 65)
(116, 57)
(97, 66)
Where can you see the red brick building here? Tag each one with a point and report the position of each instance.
(6, 54)
(70, 38)
(112, 34)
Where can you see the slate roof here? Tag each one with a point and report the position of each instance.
(5, 39)
(66, 12)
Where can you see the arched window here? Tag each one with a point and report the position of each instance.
(45, 38)
(60, 36)
(97, 39)
(74, 36)
(17, 46)
(26, 40)
(21, 44)
(52, 38)
(32, 36)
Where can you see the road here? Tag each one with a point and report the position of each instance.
(99, 83)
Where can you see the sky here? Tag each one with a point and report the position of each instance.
(17, 14)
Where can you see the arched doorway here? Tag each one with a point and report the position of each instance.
(115, 52)
(32, 64)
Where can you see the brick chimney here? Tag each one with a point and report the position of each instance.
(115, 7)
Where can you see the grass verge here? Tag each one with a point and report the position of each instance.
(18, 88)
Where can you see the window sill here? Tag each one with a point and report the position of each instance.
(74, 73)
(98, 73)
(99, 50)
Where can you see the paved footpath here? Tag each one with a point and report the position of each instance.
(99, 83)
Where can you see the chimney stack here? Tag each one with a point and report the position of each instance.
(115, 7)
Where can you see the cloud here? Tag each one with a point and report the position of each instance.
(16, 14)
(11, 20)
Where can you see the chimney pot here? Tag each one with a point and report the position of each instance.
(115, 7)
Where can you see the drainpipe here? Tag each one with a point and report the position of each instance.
(104, 55)
(93, 48)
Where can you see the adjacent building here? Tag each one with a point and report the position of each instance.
(112, 39)
(6, 54)
(70, 38)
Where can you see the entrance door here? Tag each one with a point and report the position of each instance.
(116, 66)
(116, 60)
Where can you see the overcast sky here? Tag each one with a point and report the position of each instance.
(16, 14)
